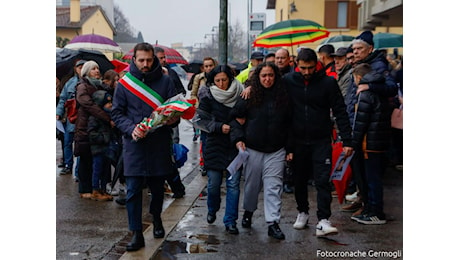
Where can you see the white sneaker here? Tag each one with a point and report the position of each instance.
(324, 227)
(352, 197)
(301, 221)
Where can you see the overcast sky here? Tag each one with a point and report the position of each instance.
(186, 21)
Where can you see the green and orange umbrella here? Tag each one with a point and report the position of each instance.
(289, 33)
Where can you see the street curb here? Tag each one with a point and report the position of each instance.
(171, 217)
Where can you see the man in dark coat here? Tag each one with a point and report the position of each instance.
(313, 95)
(363, 52)
(149, 159)
(174, 180)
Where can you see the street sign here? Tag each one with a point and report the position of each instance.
(256, 23)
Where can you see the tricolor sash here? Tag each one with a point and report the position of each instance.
(142, 91)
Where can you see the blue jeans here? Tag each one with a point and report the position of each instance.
(68, 151)
(101, 169)
(232, 197)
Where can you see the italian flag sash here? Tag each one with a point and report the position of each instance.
(142, 91)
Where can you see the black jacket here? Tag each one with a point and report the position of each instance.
(266, 127)
(372, 125)
(218, 152)
(311, 108)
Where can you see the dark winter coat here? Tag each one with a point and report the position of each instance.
(152, 155)
(86, 108)
(343, 80)
(219, 151)
(311, 104)
(372, 125)
(100, 132)
(266, 127)
(379, 64)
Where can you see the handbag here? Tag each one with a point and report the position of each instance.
(397, 118)
(71, 107)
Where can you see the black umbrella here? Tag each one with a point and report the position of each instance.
(239, 66)
(98, 57)
(193, 66)
(65, 59)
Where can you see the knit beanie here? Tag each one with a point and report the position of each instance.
(366, 36)
(89, 65)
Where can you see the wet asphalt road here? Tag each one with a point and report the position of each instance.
(88, 229)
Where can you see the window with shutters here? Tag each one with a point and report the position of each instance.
(340, 14)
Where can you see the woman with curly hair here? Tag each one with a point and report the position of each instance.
(264, 135)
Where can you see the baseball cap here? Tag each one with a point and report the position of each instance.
(257, 55)
(340, 52)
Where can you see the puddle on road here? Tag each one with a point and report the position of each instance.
(170, 248)
(209, 239)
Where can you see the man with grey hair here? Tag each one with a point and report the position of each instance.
(363, 52)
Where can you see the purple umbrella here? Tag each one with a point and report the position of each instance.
(93, 42)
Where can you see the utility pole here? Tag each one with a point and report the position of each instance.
(223, 32)
(249, 26)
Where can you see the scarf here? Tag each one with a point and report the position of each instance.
(95, 82)
(227, 97)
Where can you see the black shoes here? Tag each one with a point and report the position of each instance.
(65, 171)
(211, 218)
(288, 188)
(121, 201)
(137, 242)
(158, 230)
(247, 219)
(232, 229)
(275, 231)
(178, 195)
(203, 171)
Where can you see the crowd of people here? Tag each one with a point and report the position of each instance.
(283, 111)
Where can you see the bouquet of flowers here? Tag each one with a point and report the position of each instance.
(173, 107)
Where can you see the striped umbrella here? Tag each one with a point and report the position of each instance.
(172, 56)
(289, 33)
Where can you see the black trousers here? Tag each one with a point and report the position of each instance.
(85, 173)
(313, 159)
(175, 182)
